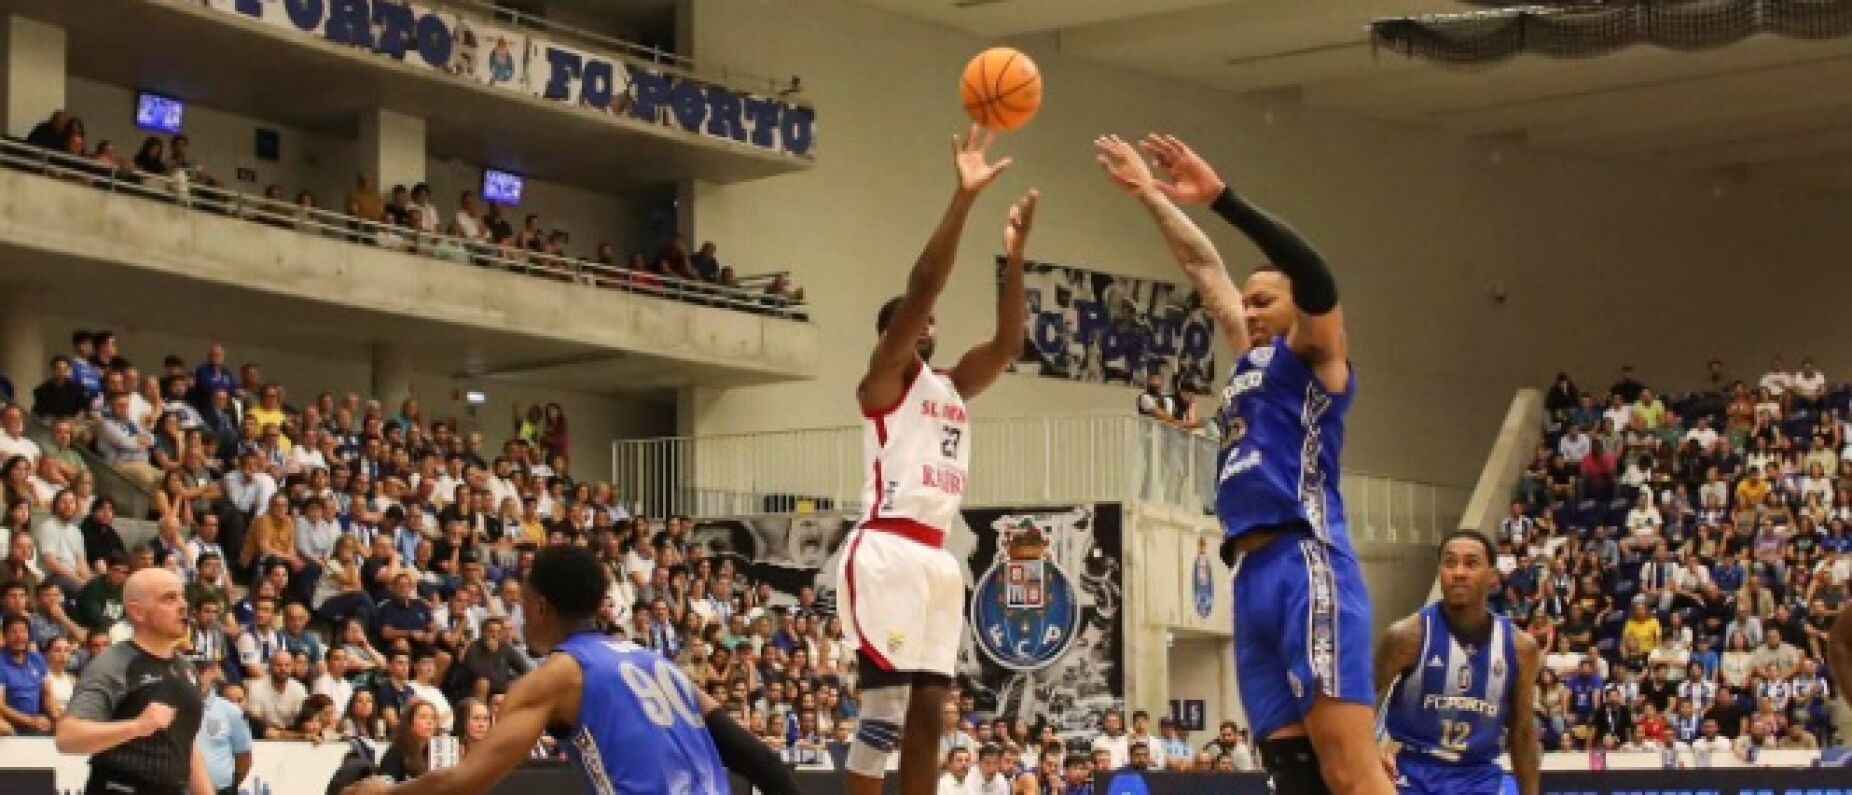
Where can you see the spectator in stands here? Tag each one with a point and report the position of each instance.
(27, 708)
(1627, 388)
(50, 133)
(273, 701)
(151, 158)
(180, 160)
(1808, 386)
(60, 396)
(125, 443)
(99, 602)
(13, 441)
(673, 260)
(410, 753)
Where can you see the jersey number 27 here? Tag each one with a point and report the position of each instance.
(660, 693)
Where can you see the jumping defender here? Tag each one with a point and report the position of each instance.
(1460, 683)
(1302, 614)
(902, 595)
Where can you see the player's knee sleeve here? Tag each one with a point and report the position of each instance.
(1293, 765)
(877, 731)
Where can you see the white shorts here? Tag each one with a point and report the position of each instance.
(902, 602)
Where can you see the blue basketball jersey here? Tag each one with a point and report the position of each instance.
(640, 729)
(1282, 434)
(1453, 705)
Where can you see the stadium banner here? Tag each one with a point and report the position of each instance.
(1043, 586)
(1085, 325)
(533, 63)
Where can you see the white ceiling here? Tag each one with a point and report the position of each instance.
(1767, 108)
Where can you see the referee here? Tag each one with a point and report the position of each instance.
(137, 707)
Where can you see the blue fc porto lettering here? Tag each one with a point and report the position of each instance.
(640, 724)
(1025, 611)
(1281, 437)
(1453, 706)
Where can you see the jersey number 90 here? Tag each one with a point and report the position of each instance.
(661, 694)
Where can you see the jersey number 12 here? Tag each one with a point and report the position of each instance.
(1453, 734)
(660, 694)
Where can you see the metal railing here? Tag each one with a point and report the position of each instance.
(1017, 461)
(178, 189)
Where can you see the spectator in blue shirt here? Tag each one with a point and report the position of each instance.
(23, 674)
(406, 617)
(87, 374)
(224, 737)
(1584, 691)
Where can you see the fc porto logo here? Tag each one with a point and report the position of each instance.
(1202, 580)
(1025, 611)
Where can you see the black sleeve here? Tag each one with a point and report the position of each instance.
(748, 756)
(1314, 289)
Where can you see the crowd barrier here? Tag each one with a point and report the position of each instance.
(31, 766)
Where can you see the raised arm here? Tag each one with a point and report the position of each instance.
(894, 356)
(1193, 250)
(1319, 334)
(981, 365)
(1521, 730)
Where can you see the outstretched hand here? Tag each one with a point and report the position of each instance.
(1016, 232)
(1192, 181)
(1123, 163)
(971, 157)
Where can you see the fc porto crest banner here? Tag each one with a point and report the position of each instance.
(1084, 325)
(534, 63)
(1043, 596)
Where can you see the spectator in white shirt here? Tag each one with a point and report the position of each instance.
(424, 688)
(429, 219)
(1619, 414)
(957, 778)
(13, 439)
(1777, 379)
(1644, 519)
(1574, 446)
(469, 218)
(1703, 434)
(989, 778)
(275, 699)
(1113, 740)
(1808, 385)
(333, 681)
(249, 487)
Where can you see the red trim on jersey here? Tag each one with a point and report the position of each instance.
(868, 646)
(913, 372)
(908, 529)
(880, 421)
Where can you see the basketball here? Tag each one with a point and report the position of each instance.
(1001, 89)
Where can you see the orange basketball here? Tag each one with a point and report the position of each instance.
(1001, 89)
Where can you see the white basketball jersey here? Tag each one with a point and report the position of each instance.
(918, 455)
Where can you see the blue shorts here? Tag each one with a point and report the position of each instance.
(1302, 630)
(1420, 774)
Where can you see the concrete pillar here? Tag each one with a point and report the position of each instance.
(392, 376)
(22, 338)
(33, 81)
(392, 147)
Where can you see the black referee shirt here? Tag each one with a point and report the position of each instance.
(118, 685)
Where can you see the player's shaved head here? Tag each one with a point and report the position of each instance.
(145, 585)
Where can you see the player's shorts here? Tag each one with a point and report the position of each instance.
(1302, 630)
(902, 602)
(1420, 774)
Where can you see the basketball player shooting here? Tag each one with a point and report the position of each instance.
(1302, 614)
(902, 594)
(1461, 684)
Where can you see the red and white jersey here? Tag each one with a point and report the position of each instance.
(918, 455)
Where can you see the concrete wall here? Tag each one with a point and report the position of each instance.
(164, 239)
(326, 163)
(1602, 263)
